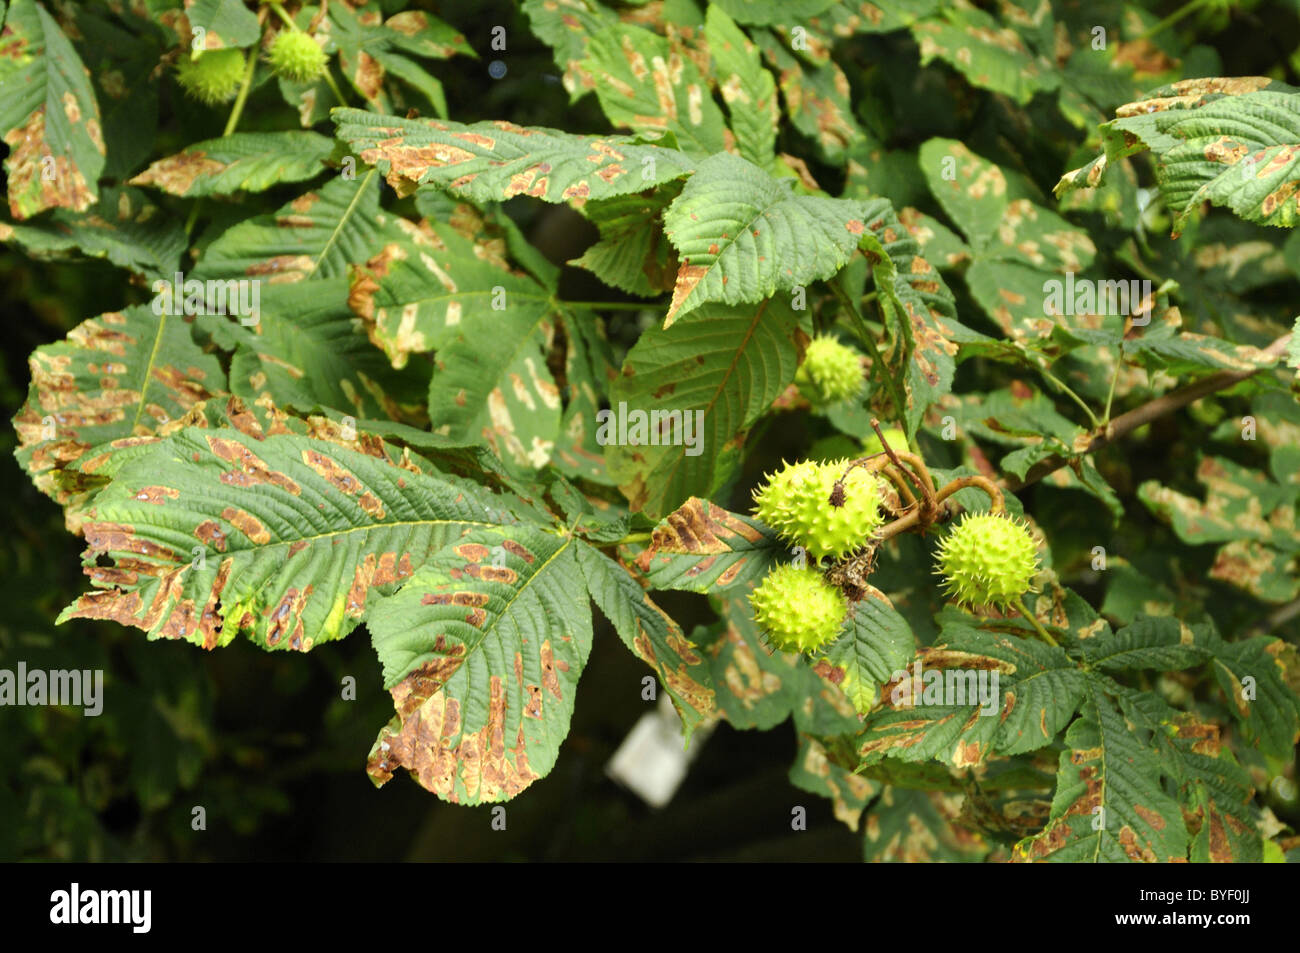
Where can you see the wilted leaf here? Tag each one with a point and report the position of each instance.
(703, 548)
(48, 115)
(482, 650)
(652, 635)
(122, 374)
(241, 161)
(280, 536)
(492, 161)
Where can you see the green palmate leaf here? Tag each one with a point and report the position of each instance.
(122, 374)
(1277, 420)
(646, 83)
(370, 50)
(1217, 796)
(757, 687)
(701, 547)
(1150, 642)
(1230, 141)
(988, 54)
(307, 352)
(121, 63)
(973, 191)
(596, 520)
(48, 116)
(314, 236)
(588, 366)
(440, 290)
(225, 23)
(652, 635)
(909, 826)
(765, 12)
(951, 708)
(1261, 678)
(1031, 234)
(632, 255)
(816, 98)
(1237, 152)
(874, 643)
(742, 235)
(567, 26)
(482, 649)
(490, 227)
(492, 161)
(1016, 296)
(1024, 417)
(1245, 509)
(415, 294)
(504, 396)
(688, 394)
(1012, 414)
(1109, 804)
(123, 228)
(241, 161)
(1215, 793)
(1020, 248)
(280, 536)
(815, 773)
(922, 307)
(747, 88)
(939, 244)
(844, 19)
(1164, 346)
(423, 34)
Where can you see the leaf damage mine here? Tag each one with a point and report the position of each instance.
(429, 741)
(1192, 93)
(248, 524)
(343, 479)
(210, 533)
(429, 677)
(157, 495)
(518, 549)
(375, 570)
(107, 538)
(251, 467)
(286, 619)
(177, 174)
(550, 680)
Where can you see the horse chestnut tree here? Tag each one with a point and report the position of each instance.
(922, 341)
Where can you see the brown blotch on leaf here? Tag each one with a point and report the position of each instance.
(519, 550)
(248, 524)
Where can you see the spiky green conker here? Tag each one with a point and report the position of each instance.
(214, 77)
(799, 610)
(296, 56)
(830, 371)
(897, 441)
(796, 503)
(988, 559)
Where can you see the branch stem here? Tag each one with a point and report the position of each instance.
(238, 109)
(1033, 620)
(635, 538)
(979, 482)
(877, 362)
(1152, 410)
